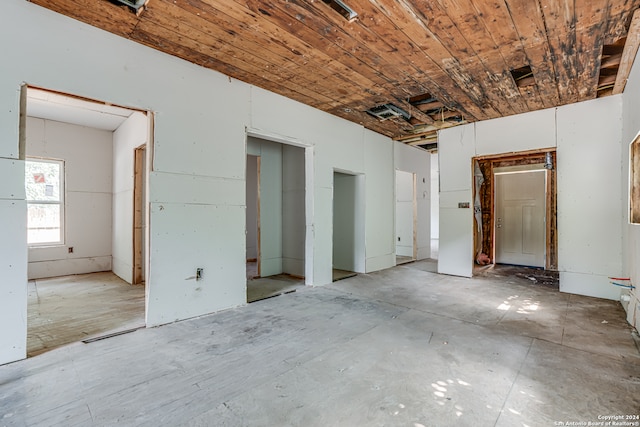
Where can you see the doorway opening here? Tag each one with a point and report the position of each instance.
(515, 210)
(85, 177)
(348, 225)
(406, 216)
(275, 218)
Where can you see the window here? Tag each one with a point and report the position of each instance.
(44, 185)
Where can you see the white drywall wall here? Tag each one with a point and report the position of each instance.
(87, 155)
(590, 197)
(252, 207)
(293, 210)
(418, 162)
(379, 214)
(630, 232)
(197, 181)
(587, 136)
(435, 197)
(129, 135)
(456, 147)
(404, 213)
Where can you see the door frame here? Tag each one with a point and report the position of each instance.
(359, 255)
(487, 197)
(139, 181)
(308, 191)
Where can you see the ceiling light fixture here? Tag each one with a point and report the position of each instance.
(344, 10)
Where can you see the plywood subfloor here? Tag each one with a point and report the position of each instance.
(67, 309)
(267, 287)
(399, 347)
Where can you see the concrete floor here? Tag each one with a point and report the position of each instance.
(401, 347)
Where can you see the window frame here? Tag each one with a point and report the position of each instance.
(60, 202)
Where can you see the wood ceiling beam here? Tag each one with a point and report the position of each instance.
(628, 54)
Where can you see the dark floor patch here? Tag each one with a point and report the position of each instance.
(523, 275)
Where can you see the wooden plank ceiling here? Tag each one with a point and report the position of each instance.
(442, 62)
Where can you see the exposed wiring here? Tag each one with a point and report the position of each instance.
(623, 286)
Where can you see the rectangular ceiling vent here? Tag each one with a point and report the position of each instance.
(388, 111)
(344, 10)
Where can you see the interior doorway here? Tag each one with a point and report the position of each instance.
(520, 218)
(406, 216)
(507, 225)
(348, 225)
(275, 218)
(85, 177)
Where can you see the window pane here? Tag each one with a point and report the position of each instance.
(42, 181)
(43, 223)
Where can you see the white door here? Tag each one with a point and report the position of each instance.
(520, 218)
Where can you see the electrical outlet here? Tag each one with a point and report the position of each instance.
(70, 249)
(199, 273)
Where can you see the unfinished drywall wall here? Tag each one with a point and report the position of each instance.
(87, 155)
(587, 136)
(333, 144)
(293, 210)
(590, 197)
(197, 185)
(418, 162)
(435, 197)
(379, 212)
(405, 205)
(630, 232)
(129, 135)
